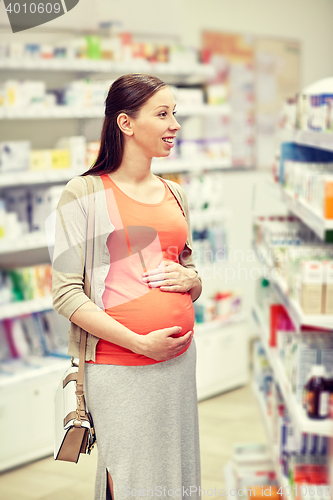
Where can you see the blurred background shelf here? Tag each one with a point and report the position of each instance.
(16, 309)
(322, 140)
(281, 479)
(25, 242)
(26, 178)
(322, 227)
(222, 355)
(293, 307)
(298, 415)
(91, 66)
(71, 112)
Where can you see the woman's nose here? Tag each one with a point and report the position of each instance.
(175, 125)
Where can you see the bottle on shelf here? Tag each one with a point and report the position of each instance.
(317, 393)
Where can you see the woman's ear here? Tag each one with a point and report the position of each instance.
(124, 123)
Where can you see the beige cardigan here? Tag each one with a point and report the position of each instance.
(68, 262)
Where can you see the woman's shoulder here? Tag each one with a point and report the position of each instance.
(177, 189)
(77, 186)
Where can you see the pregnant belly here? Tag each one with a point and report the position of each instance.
(153, 311)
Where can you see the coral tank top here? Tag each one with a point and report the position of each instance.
(145, 234)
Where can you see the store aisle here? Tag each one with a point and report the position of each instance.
(224, 420)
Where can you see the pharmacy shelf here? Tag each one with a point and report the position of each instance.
(196, 165)
(17, 371)
(321, 140)
(105, 66)
(15, 309)
(216, 324)
(29, 241)
(300, 420)
(299, 319)
(322, 227)
(281, 479)
(28, 178)
(261, 403)
(73, 112)
(37, 240)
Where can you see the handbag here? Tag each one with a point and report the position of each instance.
(73, 426)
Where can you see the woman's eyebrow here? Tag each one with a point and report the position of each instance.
(164, 106)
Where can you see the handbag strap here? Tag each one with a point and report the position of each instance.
(87, 287)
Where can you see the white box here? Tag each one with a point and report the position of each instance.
(14, 156)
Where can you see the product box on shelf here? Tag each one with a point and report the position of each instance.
(216, 93)
(40, 159)
(304, 356)
(77, 148)
(312, 285)
(14, 156)
(224, 304)
(30, 282)
(253, 470)
(17, 200)
(30, 336)
(60, 158)
(187, 96)
(24, 94)
(310, 182)
(43, 203)
(50, 159)
(17, 156)
(25, 210)
(277, 316)
(300, 260)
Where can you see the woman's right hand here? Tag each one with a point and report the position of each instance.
(161, 346)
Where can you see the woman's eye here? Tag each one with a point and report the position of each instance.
(174, 113)
(163, 113)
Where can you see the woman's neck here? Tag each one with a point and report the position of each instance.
(134, 168)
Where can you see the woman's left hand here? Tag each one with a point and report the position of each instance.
(171, 277)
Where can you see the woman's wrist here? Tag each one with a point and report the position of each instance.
(193, 276)
(137, 343)
(196, 288)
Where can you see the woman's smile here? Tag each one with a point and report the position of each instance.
(169, 141)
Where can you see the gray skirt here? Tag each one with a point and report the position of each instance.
(146, 422)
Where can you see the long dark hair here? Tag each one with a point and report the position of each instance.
(127, 95)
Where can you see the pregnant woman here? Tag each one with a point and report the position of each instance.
(140, 383)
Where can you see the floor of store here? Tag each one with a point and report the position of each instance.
(230, 418)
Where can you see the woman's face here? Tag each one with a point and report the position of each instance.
(155, 128)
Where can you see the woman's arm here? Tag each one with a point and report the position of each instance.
(158, 344)
(196, 289)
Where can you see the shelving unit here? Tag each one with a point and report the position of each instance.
(319, 140)
(314, 220)
(203, 328)
(20, 308)
(298, 415)
(36, 368)
(105, 66)
(31, 178)
(29, 392)
(324, 230)
(294, 309)
(29, 241)
(71, 112)
(217, 348)
(281, 479)
(322, 227)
